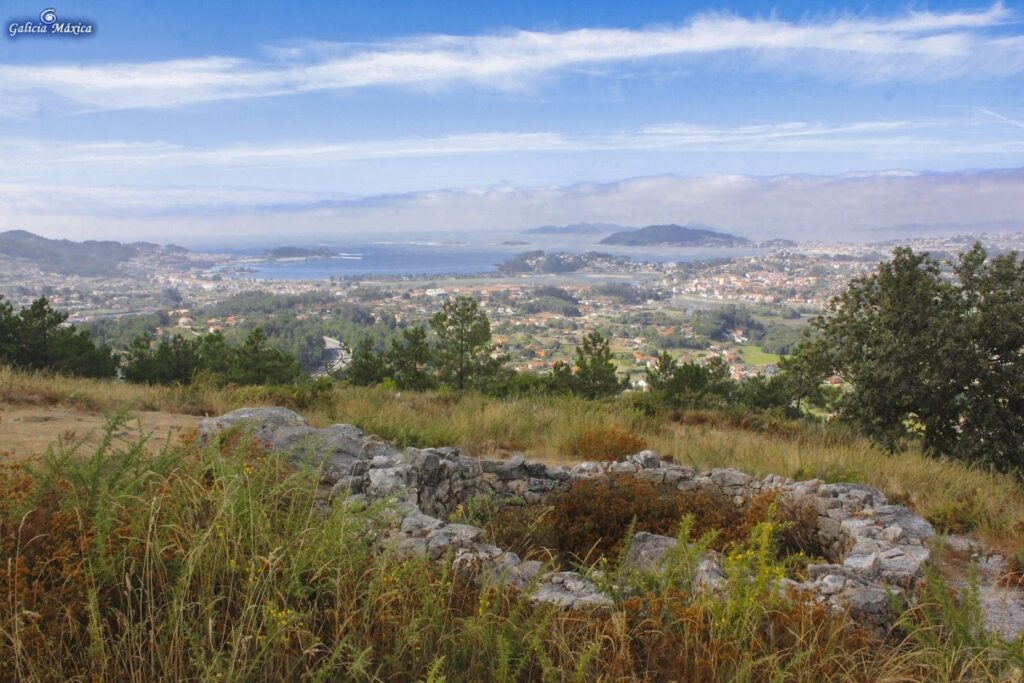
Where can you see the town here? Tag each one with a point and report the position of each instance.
(747, 310)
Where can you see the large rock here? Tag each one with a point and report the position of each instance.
(571, 591)
(646, 550)
(263, 422)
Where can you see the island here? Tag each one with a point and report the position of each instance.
(675, 236)
(298, 252)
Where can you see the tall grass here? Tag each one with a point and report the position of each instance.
(953, 495)
(222, 563)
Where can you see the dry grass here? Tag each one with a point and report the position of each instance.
(949, 493)
(217, 563)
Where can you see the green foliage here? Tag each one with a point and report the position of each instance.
(623, 292)
(690, 384)
(409, 359)
(178, 360)
(464, 349)
(720, 323)
(256, 362)
(38, 338)
(931, 357)
(594, 374)
(780, 339)
(367, 366)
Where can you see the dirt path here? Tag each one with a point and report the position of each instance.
(26, 431)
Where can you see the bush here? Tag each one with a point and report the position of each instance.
(598, 442)
(591, 520)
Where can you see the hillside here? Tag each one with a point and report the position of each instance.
(674, 235)
(245, 568)
(64, 256)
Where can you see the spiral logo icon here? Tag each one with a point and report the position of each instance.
(48, 16)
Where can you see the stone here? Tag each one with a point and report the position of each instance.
(585, 470)
(829, 527)
(709, 575)
(867, 599)
(385, 482)
(903, 564)
(866, 564)
(419, 524)
(875, 546)
(646, 460)
(821, 570)
(655, 476)
(571, 591)
(728, 478)
(830, 584)
(646, 550)
(262, 421)
(347, 485)
(674, 474)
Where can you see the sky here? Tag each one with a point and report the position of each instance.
(220, 123)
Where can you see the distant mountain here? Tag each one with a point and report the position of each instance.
(675, 236)
(298, 252)
(576, 229)
(64, 256)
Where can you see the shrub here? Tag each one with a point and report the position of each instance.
(591, 519)
(599, 442)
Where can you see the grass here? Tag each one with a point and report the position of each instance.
(951, 494)
(753, 355)
(220, 562)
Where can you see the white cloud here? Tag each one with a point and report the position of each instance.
(917, 45)
(970, 135)
(851, 207)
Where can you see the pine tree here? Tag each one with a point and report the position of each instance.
(595, 372)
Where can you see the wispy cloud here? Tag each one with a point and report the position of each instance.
(846, 207)
(914, 46)
(887, 138)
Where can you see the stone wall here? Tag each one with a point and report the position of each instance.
(875, 548)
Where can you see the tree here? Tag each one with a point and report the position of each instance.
(178, 360)
(690, 384)
(256, 362)
(38, 333)
(8, 332)
(931, 356)
(595, 372)
(38, 338)
(367, 366)
(139, 364)
(215, 354)
(464, 345)
(408, 359)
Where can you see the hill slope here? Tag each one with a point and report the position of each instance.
(64, 256)
(674, 235)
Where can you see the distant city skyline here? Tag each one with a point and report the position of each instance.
(202, 122)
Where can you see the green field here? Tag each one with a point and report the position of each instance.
(753, 355)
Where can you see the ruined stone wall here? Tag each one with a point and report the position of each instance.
(875, 548)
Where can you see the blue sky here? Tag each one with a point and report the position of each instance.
(187, 119)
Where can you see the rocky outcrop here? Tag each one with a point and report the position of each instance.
(875, 549)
